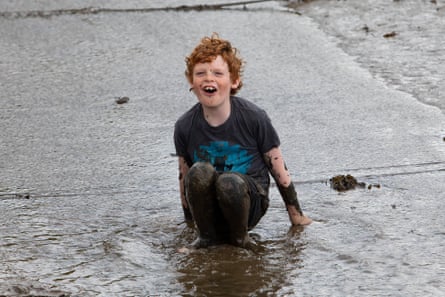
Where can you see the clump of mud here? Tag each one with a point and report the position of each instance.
(347, 182)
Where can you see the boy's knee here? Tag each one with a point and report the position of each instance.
(231, 186)
(201, 174)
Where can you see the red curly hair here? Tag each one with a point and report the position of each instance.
(208, 49)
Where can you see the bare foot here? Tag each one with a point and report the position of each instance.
(242, 241)
(297, 217)
(200, 243)
(183, 250)
(303, 221)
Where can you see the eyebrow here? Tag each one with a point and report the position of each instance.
(197, 68)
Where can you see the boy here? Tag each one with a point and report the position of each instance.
(226, 147)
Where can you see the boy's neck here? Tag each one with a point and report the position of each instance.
(216, 116)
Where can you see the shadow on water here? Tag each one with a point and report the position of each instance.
(230, 271)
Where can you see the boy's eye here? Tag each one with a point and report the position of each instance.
(203, 73)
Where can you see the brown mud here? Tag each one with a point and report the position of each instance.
(347, 182)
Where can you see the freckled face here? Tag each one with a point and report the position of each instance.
(212, 83)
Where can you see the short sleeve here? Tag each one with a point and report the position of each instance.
(267, 135)
(180, 141)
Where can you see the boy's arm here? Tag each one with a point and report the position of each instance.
(278, 169)
(183, 169)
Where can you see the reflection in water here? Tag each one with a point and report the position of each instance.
(230, 271)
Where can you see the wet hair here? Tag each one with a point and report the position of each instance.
(208, 49)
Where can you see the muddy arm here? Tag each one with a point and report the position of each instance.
(278, 169)
(183, 169)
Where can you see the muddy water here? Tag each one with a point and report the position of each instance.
(103, 216)
(412, 55)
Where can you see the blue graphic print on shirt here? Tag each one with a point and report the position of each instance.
(224, 157)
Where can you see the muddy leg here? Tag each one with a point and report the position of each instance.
(201, 197)
(234, 201)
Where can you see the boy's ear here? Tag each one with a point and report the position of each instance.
(189, 78)
(190, 85)
(235, 84)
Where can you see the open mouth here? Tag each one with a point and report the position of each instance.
(210, 90)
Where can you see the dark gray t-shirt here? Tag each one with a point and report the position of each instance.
(238, 145)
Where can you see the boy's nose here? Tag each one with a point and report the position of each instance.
(210, 75)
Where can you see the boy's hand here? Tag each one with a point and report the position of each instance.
(296, 218)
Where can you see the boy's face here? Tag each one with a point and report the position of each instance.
(212, 83)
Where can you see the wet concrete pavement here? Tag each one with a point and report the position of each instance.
(103, 217)
(400, 42)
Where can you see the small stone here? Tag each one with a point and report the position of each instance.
(365, 28)
(390, 34)
(122, 100)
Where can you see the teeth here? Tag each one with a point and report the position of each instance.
(210, 89)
